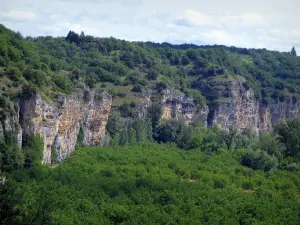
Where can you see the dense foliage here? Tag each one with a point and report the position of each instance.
(192, 175)
(54, 65)
(151, 184)
(12, 157)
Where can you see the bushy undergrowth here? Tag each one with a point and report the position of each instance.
(150, 184)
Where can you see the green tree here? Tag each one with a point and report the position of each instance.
(34, 149)
(169, 131)
(270, 144)
(11, 156)
(289, 134)
(259, 159)
(229, 137)
(114, 124)
(154, 113)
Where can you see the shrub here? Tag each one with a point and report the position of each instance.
(64, 83)
(293, 167)
(13, 73)
(34, 149)
(11, 156)
(247, 185)
(259, 160)
(219, 182)
(137, 88)
(289, 134)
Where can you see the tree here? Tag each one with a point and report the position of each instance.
(73, 37)
(152, 74)
(289, 134)
(11, 156)
(114, 124)
(169, 131)
(259, 160)
(270, 144)
(293, 52)
(229, 137)
(185, 60)
(143, 130)
(34, 149)
(154, 113)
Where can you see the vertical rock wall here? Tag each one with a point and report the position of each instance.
(59, 123)
(9, 122)
(232, 104)
(179, 106)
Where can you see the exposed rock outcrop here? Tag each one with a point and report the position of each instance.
(174, 105)
(179, 106)
(59, 122)
(277, 111)
(232, 104)
(9, 122)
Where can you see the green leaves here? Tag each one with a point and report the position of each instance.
(289, 134)
(154, 113)
(33, 147)
(64, 83)
(149, 184)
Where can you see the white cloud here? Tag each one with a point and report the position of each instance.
(256, 23)
(295, 33)
(17, 15)
(194, 18)
(219, 37)
(253, 19)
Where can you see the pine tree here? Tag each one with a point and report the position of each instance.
(293, 52)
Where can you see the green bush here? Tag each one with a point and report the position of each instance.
(64, 83)
(259, 160)
(13, 73)
(149, 184)
(33, 147)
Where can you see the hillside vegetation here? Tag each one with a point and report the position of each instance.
(151, 184)
(50, 65)
(154, 171)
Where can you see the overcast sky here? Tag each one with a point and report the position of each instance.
(267, 24)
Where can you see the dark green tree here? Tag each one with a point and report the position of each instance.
(154, 113)
(289, 134)
(73, 37)
(293, 52)
(34, 149)
(114, 124)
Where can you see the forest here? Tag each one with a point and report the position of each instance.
(152, 171)
(151, 184)
(49, 65)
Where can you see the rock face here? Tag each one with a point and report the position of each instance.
(179, 106)
(277, 111)
(174, 105)
(59, 123)
(232, 104)
(145, 100)
(9, 122)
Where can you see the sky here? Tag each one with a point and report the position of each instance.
(252, 24)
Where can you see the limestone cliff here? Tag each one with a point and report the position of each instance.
(179, 106)
(9, 122)
(276, 111)
(174, 105)
(59, 122)
(232, 104)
